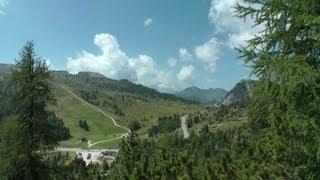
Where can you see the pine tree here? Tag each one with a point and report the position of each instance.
(26, 129)
(127, 162)
(284, 111)
(83, 124)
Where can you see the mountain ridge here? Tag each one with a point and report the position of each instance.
(100, 82)
(97, 81)
(204, 96)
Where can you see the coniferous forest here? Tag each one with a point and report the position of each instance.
(280, 139)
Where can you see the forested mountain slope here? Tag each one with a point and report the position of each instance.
(99, 82)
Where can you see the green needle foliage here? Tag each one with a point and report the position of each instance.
(24, 135)
(285, 108)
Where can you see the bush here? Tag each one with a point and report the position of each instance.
(134, 125)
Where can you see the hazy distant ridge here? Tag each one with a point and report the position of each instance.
(205, 96)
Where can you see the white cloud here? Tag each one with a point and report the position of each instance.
(172, 62)
(3, 4)
(222, 16)
(147, 22)
(111, 62)
(184, 54)
(146, 71)
(3, 13)
(168, 82)
(237, 31)
(187, 74)
(208, 53)
(49, 64)
(114, 63)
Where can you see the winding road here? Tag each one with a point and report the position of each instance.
(105, 114)
(184, 126)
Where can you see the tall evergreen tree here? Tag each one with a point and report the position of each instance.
(284, 112)
(27, 132)
(127, 161)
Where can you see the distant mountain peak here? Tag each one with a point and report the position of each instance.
(91, 74)
(193, 88)
(6, 66)
(205, 96)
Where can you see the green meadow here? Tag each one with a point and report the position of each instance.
(71, 110)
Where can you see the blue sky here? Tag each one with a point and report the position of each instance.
(168, 44)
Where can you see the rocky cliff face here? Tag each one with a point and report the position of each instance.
(240, 93)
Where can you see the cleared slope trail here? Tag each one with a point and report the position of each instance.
(105, 114)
